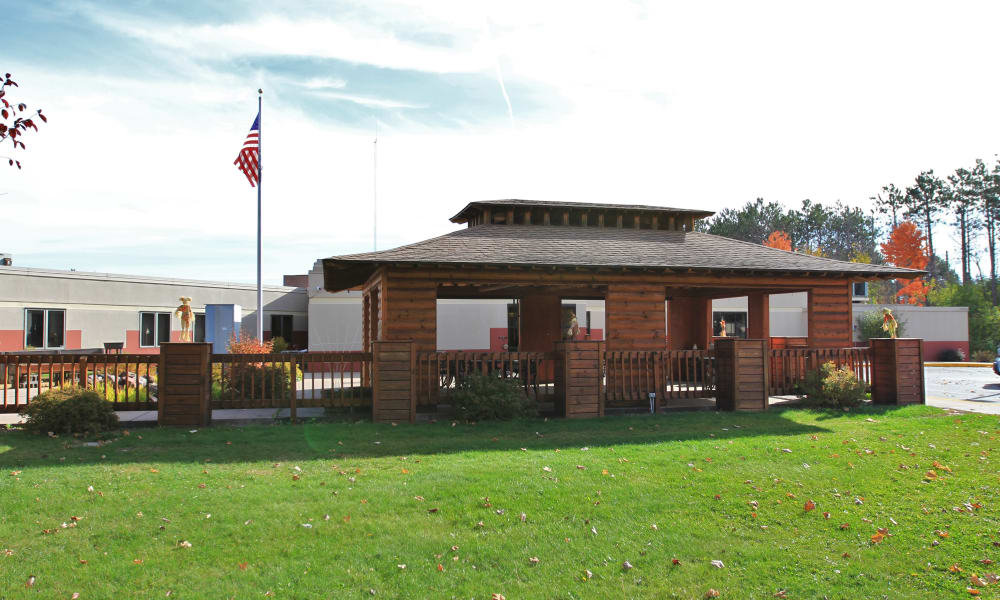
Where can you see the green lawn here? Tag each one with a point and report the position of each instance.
(335, 510)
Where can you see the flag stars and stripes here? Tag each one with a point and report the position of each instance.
(248, 160)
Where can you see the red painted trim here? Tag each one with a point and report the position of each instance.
(73, 339)
(11, 340)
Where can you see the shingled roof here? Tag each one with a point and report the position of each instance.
(529, 245)
(464, 214)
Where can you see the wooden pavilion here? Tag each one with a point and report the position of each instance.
(656, 274)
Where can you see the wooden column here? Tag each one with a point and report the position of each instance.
(394, 398)
(184, 384)
(830, 316)
(741, 374)
(898, 371)
(634, 317)
(759, 316)
(578, 379)
(541, 322)
(409, 309)
(689, 323)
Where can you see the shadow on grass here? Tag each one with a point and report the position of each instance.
(364, 440)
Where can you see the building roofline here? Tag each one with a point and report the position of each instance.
(123, 278)
(462, 215)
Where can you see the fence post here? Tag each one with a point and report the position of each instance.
(83, 374)
(741, 374)
(898, 371)
(184, 384)
(581, 378)
(292, 411)
(393, 382)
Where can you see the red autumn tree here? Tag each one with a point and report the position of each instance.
(907, 248)
(14, 123)
(779, 240)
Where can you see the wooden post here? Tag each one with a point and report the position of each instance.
(580, 378)
(759, 316)
(898, 371)
(83, 376)
(292, 407)
(741, 374)
(184, 384)
(394, 389)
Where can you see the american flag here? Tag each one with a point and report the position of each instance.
(247, 159)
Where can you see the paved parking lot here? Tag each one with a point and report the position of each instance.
(973, 389)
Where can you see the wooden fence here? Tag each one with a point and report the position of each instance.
(127, 380)
(788, 367)
(439, 373)
(671, 374)
(287, 380)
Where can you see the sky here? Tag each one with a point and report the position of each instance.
(687, 104)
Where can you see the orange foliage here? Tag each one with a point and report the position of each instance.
(247, 344)
(907, 247)
(779, 240)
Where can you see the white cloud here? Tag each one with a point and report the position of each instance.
(689, 105)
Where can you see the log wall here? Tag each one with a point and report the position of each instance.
(741, 374)
(829, 316)
(409, 311)
(183, 384)
(690, 323)
(897, 371)
(579, 379)
(634, 316)
(394, 397)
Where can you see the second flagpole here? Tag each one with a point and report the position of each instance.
(260, 162)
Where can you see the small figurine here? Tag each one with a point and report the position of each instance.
(574, 328)
(185, 314)
(722, 324)
(889, 323)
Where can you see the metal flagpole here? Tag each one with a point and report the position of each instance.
(375, 190)
(260, 155)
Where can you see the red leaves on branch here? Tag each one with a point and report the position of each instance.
(16, 129)
(907, 248)
(779, 240)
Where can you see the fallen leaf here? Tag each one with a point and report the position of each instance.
(717, 564)
(675, 561)
(626, 565)
(809, 505)
(30, 582)
(243, 566)
(712, 593)
(533, 560)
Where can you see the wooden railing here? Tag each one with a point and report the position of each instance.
(127, 380)
(311, 379)
(629, 377)
(788, 367)
(439, 373)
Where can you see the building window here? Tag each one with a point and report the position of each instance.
(154, 329)
(199, 327)
(735, 323)
(860, 289)
(44, 328)
(281, 326)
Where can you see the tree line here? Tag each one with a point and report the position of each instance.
(904, 227)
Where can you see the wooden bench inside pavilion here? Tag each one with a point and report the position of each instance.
(657, 277)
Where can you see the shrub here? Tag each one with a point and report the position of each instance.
(983, 356)
(830, 386)
(870, 326)
(483, 397)
(69, 410)
(244, 343)
(276, 379)
(952, 355)
(279, 344)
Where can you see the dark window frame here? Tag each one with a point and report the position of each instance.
(281, 317)
(45, 333)
(157, 321)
